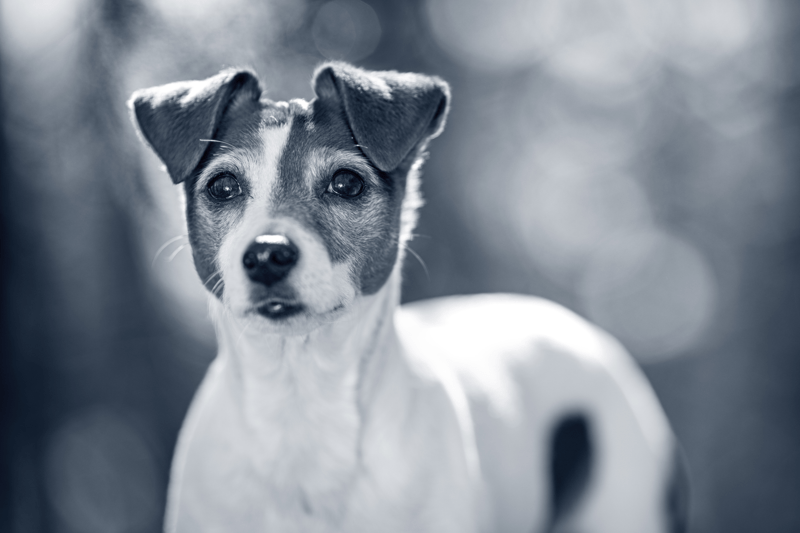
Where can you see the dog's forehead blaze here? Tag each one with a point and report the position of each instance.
(241, 146)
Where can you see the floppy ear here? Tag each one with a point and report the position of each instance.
(389, 113)
(173, 119)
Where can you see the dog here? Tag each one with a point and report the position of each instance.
(329, 407)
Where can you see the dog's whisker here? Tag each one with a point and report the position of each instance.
(216, 141)
(241, 334)
(212, 276)
(219, 285)
(181, 247)
(421, 262)
(166, 245)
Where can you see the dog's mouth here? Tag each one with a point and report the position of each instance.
(278, 309)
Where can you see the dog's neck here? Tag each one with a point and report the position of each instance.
(308, 398)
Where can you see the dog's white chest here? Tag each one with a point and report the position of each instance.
(316, 466)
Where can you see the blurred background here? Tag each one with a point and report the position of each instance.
(634, 160)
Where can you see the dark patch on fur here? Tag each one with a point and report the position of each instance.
(386, 118)
(570, 463)
(208, 221)
(363, 230)
(677, 495)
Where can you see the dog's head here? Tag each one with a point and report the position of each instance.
(295, 210)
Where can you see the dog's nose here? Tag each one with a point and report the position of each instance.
(269, 258)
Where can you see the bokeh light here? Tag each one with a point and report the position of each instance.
(587, 115)
(490, 35)
(346, 30)
(101, 475)
(654, 291)
(29, 28)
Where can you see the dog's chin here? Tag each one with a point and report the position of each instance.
(290, 317)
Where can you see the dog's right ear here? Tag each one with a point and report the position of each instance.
(388, 112)
(175, 119)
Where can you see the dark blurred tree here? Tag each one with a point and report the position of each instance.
(6, 379)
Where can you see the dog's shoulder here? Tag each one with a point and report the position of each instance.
(487, 330)
(521, 352)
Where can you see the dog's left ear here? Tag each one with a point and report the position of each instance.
(176, 119)
(389, 112)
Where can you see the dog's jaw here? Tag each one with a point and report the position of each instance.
(320, 290)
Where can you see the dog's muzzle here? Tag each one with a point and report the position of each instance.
(269, 259)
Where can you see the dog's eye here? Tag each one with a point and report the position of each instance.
(346, 183)
(224, 187)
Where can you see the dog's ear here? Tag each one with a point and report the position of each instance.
(389, 113)
(175, 119)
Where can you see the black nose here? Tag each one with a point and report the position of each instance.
(269, 258)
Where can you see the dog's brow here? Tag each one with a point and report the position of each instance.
(215, 141)
(322, 160)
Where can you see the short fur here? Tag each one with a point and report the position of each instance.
(331, 409)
